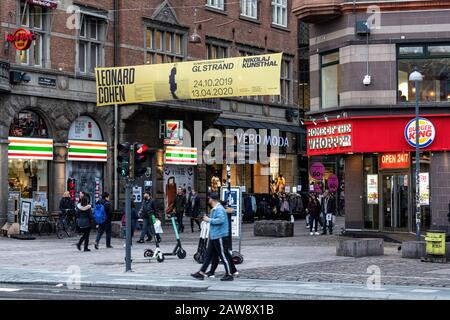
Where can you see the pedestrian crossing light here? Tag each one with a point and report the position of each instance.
(123, 159)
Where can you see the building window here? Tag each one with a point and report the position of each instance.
(216, 4)
(330, 80)
(279, 17)
(216, 50)
(90, 44)
(164, 46)
(249, 8)
(433, 61)
(286, 84)
(34, 19)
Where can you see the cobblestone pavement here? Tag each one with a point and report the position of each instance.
(394, 270)
(302, 258)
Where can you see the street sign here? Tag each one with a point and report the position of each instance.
(233, 199)
(137, 194)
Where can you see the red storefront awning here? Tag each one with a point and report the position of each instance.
(372, 134)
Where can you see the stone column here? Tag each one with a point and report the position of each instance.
(3, 181)
(58, 177)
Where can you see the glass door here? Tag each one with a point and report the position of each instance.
(395, 202)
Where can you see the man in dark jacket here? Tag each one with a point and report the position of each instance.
(148, 210)
(194, 205)
(105, 227)
(328, 206)
(180, 208)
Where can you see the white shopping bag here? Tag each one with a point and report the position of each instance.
(157, 225)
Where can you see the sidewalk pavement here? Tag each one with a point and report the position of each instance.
(300, 265)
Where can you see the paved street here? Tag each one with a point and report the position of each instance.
(300, 267)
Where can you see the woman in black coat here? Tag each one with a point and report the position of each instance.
(85, 219)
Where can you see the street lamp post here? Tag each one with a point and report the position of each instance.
(417, 78)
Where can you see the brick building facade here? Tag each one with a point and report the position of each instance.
(48, 91)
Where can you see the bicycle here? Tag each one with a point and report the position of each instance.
(66, 224)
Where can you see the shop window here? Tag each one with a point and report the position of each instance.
(433, 61)
(164, 46)
(35, 19)
(330, 80)
(29, 177)
(279, 15)
(28, 124)
(90, 44)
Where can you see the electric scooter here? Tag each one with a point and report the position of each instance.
(178, 250)
(157, 255)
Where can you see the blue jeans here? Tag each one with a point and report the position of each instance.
(104, 228)
(147, 229)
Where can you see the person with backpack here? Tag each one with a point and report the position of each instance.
(84, 213)
(147, 213)
(103, 218)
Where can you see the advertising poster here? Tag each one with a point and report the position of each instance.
(424, 189)
(233, 198)
(176, 176)
(25, 212)
(317, 170)
(372, 189)
(190, 80)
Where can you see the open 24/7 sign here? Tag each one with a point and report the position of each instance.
(233, 198)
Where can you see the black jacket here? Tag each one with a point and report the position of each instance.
(85, 216)
(108, 209)
(195, 206)
(330, 206)
(148, 208)
(180, 203)
(66, 204)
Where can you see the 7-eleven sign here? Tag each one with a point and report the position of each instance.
(173, 132)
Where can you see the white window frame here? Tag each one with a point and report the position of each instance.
(216, 4)
(249, 9)
(280, 12)
(84, 37)
(40, 31)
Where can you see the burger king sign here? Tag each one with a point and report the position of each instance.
(427, 133)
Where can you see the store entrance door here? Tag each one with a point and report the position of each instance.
(394, 202)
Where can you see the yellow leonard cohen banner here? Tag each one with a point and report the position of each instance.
(231, 77)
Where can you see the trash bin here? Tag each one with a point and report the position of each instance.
(435, 243)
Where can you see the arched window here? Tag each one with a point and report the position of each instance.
(28, 124)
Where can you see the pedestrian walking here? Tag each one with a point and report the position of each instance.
(65, 204)
(85, 218)
(194, 209)
(180, 208)
(147, 213)
(314, 214)
(218, 233)
(85, 195)
(103, 218)
(134, 219)
(328, 206)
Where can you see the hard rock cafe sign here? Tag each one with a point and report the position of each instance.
(21, 39)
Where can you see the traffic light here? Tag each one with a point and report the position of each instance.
(123, 159)
(140, 157)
